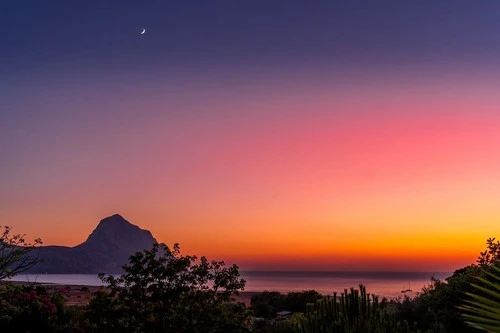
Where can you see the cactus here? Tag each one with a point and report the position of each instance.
(353, 311)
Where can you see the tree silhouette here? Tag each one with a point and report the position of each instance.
(15, 253)
(163, 291)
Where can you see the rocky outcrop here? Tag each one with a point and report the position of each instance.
(106, 249)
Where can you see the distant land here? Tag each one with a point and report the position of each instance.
(106, 249)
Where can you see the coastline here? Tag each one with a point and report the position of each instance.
(79, 295)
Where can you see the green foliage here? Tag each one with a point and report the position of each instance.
(440, 305)
(482, 309)
(274, 326)
(268, 303)
(353, 311)
(439, 301)
(297, 301)
(163, 291)
(15, 253)
(491, 255)
(104, 314)
(29, 309)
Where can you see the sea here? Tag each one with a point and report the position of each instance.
(384, 284)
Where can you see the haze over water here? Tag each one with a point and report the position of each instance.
(386, 284)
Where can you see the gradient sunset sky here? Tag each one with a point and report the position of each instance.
(339, 135)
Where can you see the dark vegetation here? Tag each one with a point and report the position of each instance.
(161, 290)
(268, 303)
(14, 253)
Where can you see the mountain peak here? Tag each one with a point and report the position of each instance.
(106, 249)
(117, 237)
(115, 220)
(114, 216)
(116, 230)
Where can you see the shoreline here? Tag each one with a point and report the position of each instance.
(79, 295)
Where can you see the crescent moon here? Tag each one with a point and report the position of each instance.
(143, 31)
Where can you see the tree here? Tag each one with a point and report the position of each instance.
(491, 255)
(15, 252)
(163, 291)
(480, 308)
(442, 302)
(439, 301)
(268, 303)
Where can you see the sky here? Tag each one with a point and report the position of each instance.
(334, 135)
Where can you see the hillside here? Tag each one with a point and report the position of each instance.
(106, 249)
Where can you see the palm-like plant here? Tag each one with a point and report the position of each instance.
(482, 309)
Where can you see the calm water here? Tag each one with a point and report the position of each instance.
(381, 283)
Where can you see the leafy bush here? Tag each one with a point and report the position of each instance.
(163, 291)
(29, 309)
(268, 303)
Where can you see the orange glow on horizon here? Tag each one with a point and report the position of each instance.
(345, 182)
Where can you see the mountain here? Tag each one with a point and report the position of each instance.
(106, 249)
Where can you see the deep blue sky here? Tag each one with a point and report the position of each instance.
(252, 33)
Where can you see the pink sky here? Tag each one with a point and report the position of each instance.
(372, 172)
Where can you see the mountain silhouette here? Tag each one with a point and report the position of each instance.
(106, 249)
